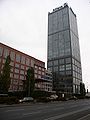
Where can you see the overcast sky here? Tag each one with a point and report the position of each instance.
(24, 23)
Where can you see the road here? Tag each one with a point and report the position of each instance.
(68, 110)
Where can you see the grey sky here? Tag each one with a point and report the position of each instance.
(23, 25)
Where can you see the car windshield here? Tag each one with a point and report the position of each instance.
(27, 98)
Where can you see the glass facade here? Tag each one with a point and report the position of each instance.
(63, 50)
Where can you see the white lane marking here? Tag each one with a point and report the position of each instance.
(66, 114)
(14, 110)
(84, 118)
(30, 113)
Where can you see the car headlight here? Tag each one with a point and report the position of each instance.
(20, 100)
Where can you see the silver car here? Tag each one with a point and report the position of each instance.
(26, 99)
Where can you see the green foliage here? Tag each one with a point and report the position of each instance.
(5, 76)
(30, 82)
(82, 89)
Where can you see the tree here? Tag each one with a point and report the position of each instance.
(5, 76)
(30, 82)
(82, 89)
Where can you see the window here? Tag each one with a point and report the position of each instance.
(16, 76)
(27, 61)
(21, 72)
(74, 73)
(22, 67)
(6, 53)
(67, 45)
(67, 51)
(68, 60)
(39, 76)
(12, 63)
(15, 82)
(43, 73)
(35, 75)
(61, 67)
(66, 36)
(35, 66)
(35, 71)
(39, 68)
(61, 61)
(11, 74)
(16, 70)
(39, 72)
(20, 82)
(68, 72)
(12, 55)
(65, 21)
(56, 62)
(1, 50)
(62, 72)
(17, 58)
(68, 66)
(23, 60)
(17, 65)
(74, 81)
(55, 68)
(42, 69)
(73, 61)
(50, 63)
(50, 68)
(32, 63)
(21, 77)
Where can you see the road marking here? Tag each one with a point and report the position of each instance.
(14, 110)
(85, 117)
(30, 113)
(66, 114)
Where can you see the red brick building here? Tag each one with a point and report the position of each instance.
(20, 62)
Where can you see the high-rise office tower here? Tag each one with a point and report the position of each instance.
(63, 50)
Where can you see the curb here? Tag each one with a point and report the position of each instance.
(15, 105)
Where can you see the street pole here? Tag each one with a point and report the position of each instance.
(29, 89)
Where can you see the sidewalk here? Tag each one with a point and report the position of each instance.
(26, 104)
(16, 105)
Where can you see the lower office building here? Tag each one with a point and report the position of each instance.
(20, 63)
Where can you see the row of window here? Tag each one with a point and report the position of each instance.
(15, 88)
(17, 76)
(43, 85)
(64, 61)
(60, 61)
(62, 67)
(18, 57)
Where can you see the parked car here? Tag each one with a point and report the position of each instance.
(53, 97)
(26, 99)
(73, 98)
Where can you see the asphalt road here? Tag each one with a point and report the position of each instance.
(69, 110)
